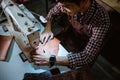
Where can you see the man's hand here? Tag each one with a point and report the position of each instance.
(45, 36)
(42, 53)
(40, 57)
(47, 33)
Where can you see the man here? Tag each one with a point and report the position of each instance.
(88, 19)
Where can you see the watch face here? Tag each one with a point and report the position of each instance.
(52, 60)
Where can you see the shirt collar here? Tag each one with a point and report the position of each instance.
(85, 19)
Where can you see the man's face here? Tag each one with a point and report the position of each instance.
(70, 8)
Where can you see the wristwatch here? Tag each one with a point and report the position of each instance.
(52, 60)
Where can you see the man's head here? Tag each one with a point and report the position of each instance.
(72, 7)
(77, 2)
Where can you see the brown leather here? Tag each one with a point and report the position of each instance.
(52, 46)
(5, 42)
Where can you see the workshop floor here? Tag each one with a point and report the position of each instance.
(102, 69)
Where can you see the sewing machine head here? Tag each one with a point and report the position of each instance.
(25, 31)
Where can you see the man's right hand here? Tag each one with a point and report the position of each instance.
(47, 34)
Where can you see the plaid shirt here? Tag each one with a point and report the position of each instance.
(99, 22)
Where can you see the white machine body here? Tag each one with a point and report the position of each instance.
(21, 27)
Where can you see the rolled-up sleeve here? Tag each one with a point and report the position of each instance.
(54, 11)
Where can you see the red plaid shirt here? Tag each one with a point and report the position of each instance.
(97, 21)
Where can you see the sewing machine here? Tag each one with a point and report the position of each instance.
(26, 31)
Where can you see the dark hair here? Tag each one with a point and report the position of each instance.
(69, 1)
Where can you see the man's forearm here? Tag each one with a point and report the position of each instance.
(48, 24)
(62, 60)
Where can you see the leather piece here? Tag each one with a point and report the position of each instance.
(5, 42)
(52, 46)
